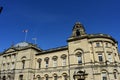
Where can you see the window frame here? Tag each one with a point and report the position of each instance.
(100, 57)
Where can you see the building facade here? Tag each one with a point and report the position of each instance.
(86, 57)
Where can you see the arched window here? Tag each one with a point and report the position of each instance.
(115, 74)
(63, 59)
(79, 57)
(79, 54)
(64, 76)
(39, 62)
(4, 77)
(55, 77)
(46, 77)
(13, 65)
(104, 75)
(23, 61)
(20, 77)
(39, 78)
(54, 61)
(23, 64)
(47, 62)
(9, 77)
(8, 66)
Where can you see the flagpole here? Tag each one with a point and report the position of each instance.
(25, 31)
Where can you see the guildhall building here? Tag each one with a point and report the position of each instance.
(86, 57)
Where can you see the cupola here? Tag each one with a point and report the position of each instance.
(78, 30)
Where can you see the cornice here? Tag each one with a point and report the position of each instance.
(53, 50)
(92, 36)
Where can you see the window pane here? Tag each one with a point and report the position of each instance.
(100, 57)
(39, 65)
(47, 62)
(98, 44)
(47, 78)
(55, 77)
(109, 57)
(104, 76)
(38, 78)
(55, 63)
(21, 77)
(64, 62)
(115, 75)
(79, 60)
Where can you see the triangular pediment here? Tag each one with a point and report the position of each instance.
(9, 50)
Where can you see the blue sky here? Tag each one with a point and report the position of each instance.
(51, 21)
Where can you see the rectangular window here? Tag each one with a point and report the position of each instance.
(97, 44)
(4, 57)
(100, 57)
(14, 55)
(106, 44)
(109, 57)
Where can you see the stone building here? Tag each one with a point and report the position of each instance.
(86, 57)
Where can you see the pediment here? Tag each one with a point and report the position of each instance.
(9, 50)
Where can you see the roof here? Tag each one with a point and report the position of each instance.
(21, 46)
(53, 50)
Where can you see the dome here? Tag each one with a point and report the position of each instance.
(21, 44)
